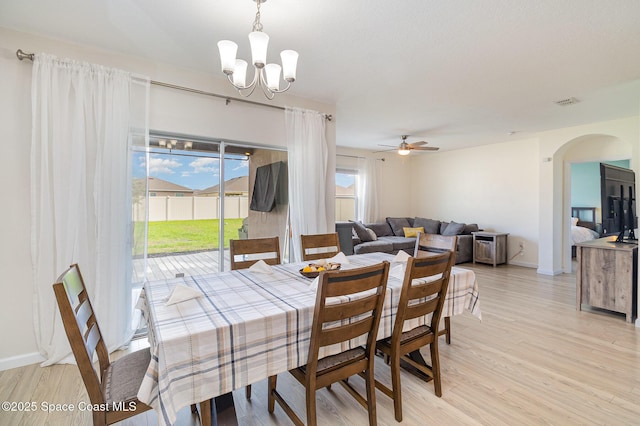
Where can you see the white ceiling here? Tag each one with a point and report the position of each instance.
(457, 73)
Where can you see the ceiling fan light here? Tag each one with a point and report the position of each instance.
(402, 151)
(228, 50)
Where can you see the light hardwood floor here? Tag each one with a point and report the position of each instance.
(532, 360)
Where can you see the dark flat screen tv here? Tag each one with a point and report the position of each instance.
(618, 203)
(270, 187)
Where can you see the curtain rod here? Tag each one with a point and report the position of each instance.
(22, 55)
(355, 156)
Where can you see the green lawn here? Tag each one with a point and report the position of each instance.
(190, 235)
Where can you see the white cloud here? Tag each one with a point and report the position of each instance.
(205, 165)
(185, 174)
(242, 165)
(162, 165)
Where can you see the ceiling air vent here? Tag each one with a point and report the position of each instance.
(567, 101)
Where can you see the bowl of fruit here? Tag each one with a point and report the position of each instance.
(312, 270)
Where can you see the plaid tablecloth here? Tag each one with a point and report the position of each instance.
(248, 327)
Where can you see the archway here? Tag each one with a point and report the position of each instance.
(586, 148)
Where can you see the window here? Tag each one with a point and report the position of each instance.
(346, 199)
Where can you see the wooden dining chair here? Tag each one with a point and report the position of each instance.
(356, 313)
(254, 247)
(418, 298)
(427, 245)
(115, 384)
(319, 246)
(252, 250)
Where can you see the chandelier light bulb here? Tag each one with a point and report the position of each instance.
(273, 76)
(240, 73)
(404, 151)
(259, 42)
(228, 50)
(289, 64)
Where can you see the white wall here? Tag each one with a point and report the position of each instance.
(170, 110)
(495, 186)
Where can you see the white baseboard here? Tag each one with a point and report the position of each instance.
(20, 361)
(638, 322)
(524, 264)
(549, 271)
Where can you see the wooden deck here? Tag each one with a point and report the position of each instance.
(165, 267)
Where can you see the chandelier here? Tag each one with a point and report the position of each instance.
(267, 76)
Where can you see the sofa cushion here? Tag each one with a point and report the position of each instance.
(469, 228)
(430, 226)
(413, 232)
(400, 243)
(397, 224)
(379, 245)
(453, 228)
(361, 231)
(382, 229)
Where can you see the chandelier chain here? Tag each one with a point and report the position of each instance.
(257, 25)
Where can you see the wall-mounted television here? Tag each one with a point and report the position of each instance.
(618, 202)
(270, 187)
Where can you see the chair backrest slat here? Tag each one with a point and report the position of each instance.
(268, 248)
(319, 246)
(332, 336)
(434, 243)
(82, 330)
(337, 312)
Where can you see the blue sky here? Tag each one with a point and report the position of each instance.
(200, 172)
(195, 172)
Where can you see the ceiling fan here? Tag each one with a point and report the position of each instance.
(405, 148)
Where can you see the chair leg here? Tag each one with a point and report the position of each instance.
(247, 391)
(447, 327)
(371, 396)
(311, 406)
(272, 388)
(395, 386)
(435, 367)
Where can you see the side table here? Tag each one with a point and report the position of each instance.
(490, 247)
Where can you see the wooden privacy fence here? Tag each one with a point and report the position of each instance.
(192, 208)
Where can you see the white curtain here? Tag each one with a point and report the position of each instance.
(367, 189)
(83, 117)
(308, 156)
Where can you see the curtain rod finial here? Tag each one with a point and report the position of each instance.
(21, 55)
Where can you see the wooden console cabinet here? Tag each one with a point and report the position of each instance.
(607, 276)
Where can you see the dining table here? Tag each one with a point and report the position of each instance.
(243, 326)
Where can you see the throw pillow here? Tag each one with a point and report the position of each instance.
(372, 234)
(382, 229)
(470, 227)
(430, 226)
(413, 232)
(574, 221)
(398, 224)
(454, 229)
(443, 226)
(361, 231)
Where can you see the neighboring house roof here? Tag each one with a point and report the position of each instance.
(161, 185)
(237, 184)
(344, 190)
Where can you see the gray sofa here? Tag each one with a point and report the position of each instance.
(389, 237)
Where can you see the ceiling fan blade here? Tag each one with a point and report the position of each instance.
(426, 148)
(390, 146)
(419, 143)
(384, 150)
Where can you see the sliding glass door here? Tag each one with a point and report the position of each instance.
(194, 197)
